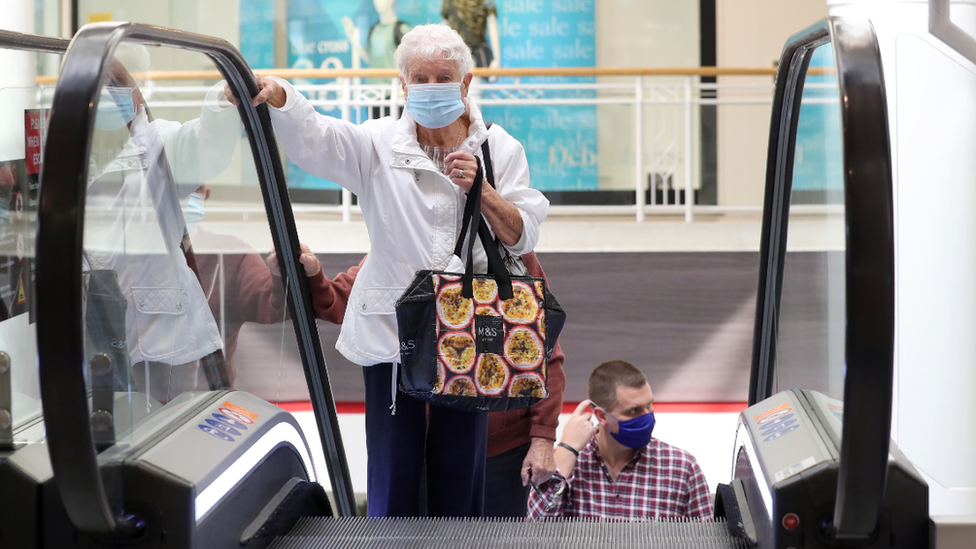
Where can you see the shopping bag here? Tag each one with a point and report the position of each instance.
(477, 342)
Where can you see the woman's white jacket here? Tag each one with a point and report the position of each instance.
(412, 210)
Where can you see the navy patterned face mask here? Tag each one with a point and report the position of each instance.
(633, 433)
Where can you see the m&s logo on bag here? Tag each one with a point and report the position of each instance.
(491, 334)
(406, 347)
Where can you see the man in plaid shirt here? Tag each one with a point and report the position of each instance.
(617, 470)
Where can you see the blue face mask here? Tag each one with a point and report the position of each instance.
(195, 211)
(435, 105)
(115, 109)
(634, 433)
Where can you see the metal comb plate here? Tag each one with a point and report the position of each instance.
(416, 533)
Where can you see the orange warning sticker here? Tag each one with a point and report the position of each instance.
(240, 410)
(21, 294)
(771, 411)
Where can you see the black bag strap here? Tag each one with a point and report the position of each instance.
(469, 206)
(489, 171)
(472, 217)
(468, 211)
(496, 265)
(486, 152)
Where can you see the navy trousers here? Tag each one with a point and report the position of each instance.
(424, 460)
(506, 497)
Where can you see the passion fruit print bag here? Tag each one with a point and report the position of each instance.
(477, 342)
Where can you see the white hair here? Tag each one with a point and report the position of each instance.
(431, 42)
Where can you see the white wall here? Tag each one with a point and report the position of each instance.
(639, 33)
(751, 33)
(932, 127)
(219, 18)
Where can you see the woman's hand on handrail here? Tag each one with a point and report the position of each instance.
(268, 91)
(306, 258)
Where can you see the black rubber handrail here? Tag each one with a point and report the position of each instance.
(785, 116)
(10, 40)
(870, 284)
(869, 257)
(59, 261)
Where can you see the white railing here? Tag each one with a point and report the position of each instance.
(666, 107)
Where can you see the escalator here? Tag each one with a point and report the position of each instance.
(157, 439)
(145, 436)
(814, 457)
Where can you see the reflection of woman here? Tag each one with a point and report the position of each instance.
(139, 232)
(411, 176)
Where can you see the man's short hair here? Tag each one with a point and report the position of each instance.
(605, 379)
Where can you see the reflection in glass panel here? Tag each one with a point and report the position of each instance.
(810, 350)
(566, 144)
(23, 112)
(170, 283)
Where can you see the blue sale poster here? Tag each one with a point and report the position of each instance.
(818, 158)
(560, 140)
(324, 34)
(337, 34)
(257, 31)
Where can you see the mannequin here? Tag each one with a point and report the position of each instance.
(381, 41)
(477, 23)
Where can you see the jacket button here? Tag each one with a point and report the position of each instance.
(364, 306)
(408, 161)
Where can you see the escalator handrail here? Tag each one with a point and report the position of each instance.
(870, 280)
(784, 118)
(10, 40)
(869, 260)
(59, 261)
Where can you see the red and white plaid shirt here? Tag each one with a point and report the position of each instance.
(660, 481)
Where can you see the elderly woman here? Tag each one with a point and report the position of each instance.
(411, 176)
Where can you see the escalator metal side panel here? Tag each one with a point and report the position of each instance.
(210, 477)
(362, 533)
(171, 471)
(776, 440)
(907, 492)
(22, 477)
(789, 469)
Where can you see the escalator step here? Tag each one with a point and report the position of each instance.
(364, 533)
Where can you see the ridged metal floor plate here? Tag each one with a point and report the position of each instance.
(364, 533)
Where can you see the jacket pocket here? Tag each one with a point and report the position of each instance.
(159, 301)
(160, 322)
(379, 301)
